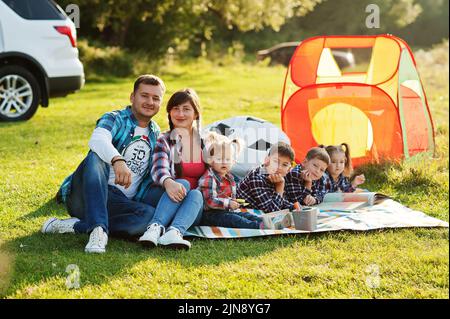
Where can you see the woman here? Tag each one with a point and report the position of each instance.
(177, 166)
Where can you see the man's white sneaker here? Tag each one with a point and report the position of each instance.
(59, 226)
(173, 239)
(152, 235)
(97, 241)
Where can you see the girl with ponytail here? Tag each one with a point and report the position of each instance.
(340, 169)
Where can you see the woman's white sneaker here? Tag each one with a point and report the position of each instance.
(173, 239)
(59, 226)
(151, 236)
(97, 241)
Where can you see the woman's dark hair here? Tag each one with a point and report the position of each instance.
(181, 97)
(178, 98)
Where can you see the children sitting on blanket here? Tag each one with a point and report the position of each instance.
(305, 182)
(219, 188)
(340, 168)
(264, 187)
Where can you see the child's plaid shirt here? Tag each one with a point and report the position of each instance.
(295, 187)
(343, 184)
(260, 193)
(217, 191)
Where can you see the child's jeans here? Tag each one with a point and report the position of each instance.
(223, 218)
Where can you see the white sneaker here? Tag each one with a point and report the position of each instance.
(97, 241)
(152, 235)
(59, 226)
(173, 239)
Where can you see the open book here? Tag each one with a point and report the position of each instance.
(350, 201)
(279, 219)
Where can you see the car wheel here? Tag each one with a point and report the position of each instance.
(19, 93)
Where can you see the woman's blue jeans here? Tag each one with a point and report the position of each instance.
(180, 215)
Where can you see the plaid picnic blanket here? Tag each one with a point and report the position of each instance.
(388, 214)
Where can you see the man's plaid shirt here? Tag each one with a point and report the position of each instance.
(121, 124)
(260, 193)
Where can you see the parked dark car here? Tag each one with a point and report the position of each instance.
(282, 53)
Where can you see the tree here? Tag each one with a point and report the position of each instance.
(341, 17)
(349, 17)
(149, 23)
(155, 25)
(248, 15)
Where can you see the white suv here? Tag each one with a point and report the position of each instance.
(38, 57)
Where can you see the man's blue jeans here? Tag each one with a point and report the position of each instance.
(181, 215)
(96, 203)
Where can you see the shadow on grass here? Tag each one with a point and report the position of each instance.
(50, 208)
(411, 179)
(12, 124)
(40, 258)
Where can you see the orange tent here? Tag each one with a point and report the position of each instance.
(376, 103)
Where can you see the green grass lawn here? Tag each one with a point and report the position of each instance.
(37, 155)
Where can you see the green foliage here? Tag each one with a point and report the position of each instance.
(100, 61)
(257, 14)
(336, 17)
(430, 27)
(104, 60)
(155, 26)
(202, 27)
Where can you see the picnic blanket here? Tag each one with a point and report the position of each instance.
(388, 214)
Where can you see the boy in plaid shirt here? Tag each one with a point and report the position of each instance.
(306, 182)
(219, 188)
(264, 187)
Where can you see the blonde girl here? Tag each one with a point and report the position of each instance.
(219, 187)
